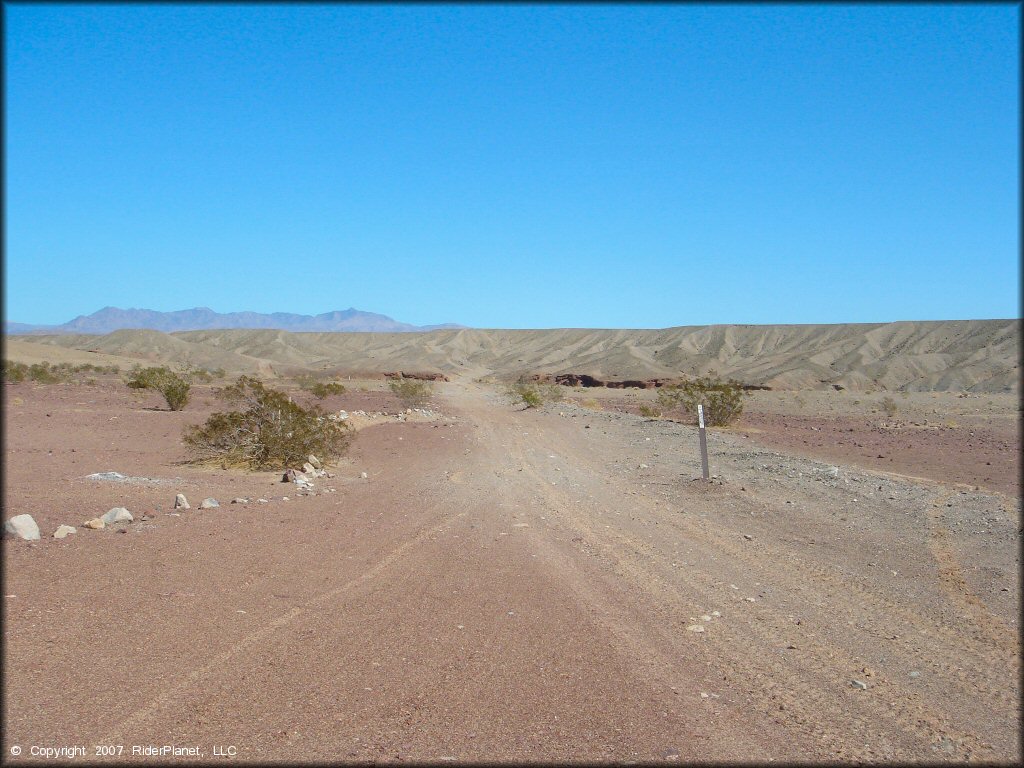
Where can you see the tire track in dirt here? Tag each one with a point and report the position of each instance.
(942, 642)
(989, 628)
(218, 662)
(911, 715)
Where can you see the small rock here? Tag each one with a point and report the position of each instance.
(95, 524)
(314, 462)
(705, 618)
(285, 498)
(859, 684)
(868, 672)
(63, 531)
(180, 502)
(209, 504)
(117, 515)
(695, 628)
(750, 599)
(716, 614)
(915, 674)
(309, 469)
(239, 500)
(748, 537)
(262, 501)
(363, 475)
(643, 466)
(23, 526)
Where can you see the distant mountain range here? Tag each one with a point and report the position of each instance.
(111, 319)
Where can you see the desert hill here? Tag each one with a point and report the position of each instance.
(972, 355)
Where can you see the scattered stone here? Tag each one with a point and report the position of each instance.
(915, 674)
(363, 475)
(750, 599)
(705, 618)
(239, 500)
(309, 469)
(116, 477)
(210, 503)
(695, 628)
(23, 526)
(262, 501)
(285, 498)
(859, 684)
(180, 502)
(95, 524)
(716, 614)
(314, 462)
(868, 672)
(117, 515)
(643, 466)
(63, 531)
(748, 537)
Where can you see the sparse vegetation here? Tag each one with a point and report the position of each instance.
(46, 373)
(650, 411)
(319, 388)
(534, 394)
(722, 399)
(266, 431)
(889, 407)
(174, 387)
(412, 392)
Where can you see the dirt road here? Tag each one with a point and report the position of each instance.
(522, 585)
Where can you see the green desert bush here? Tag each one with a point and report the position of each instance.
(322, 389)
(534, 394)
(412, 392)
(265, 431)
(14, 372)
(174, 387)
(722, 399)
(650, 411)
(50, 373)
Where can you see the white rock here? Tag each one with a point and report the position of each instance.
(695, 628)
(23, 526)
(363, 475)
(262, 501)
(314, 461)
(95, 524)
(180, 502)
(859, 684)
(309, 469)
(210, 503)
(239, 500)
(63, 531)
(117, 515)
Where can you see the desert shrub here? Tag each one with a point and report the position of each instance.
(44, 373)
(266, 431)
(412, 392)
(722, 400)
(889, 407)
(650, 411)
(14, 372)
(534, 394)
(174, 387)
(324, 388)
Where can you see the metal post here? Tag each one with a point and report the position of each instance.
(703, 443)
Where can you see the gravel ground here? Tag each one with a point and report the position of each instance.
(503, 585)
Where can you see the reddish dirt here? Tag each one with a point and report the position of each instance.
(506, 585)
(977, 456)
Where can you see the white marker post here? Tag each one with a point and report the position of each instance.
(703, 443)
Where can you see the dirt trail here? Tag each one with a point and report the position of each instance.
(519, 586)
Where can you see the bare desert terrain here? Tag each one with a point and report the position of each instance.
(478, 582)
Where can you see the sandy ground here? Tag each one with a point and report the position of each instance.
(505, 585)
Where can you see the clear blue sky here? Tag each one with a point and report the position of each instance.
(515, 166)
